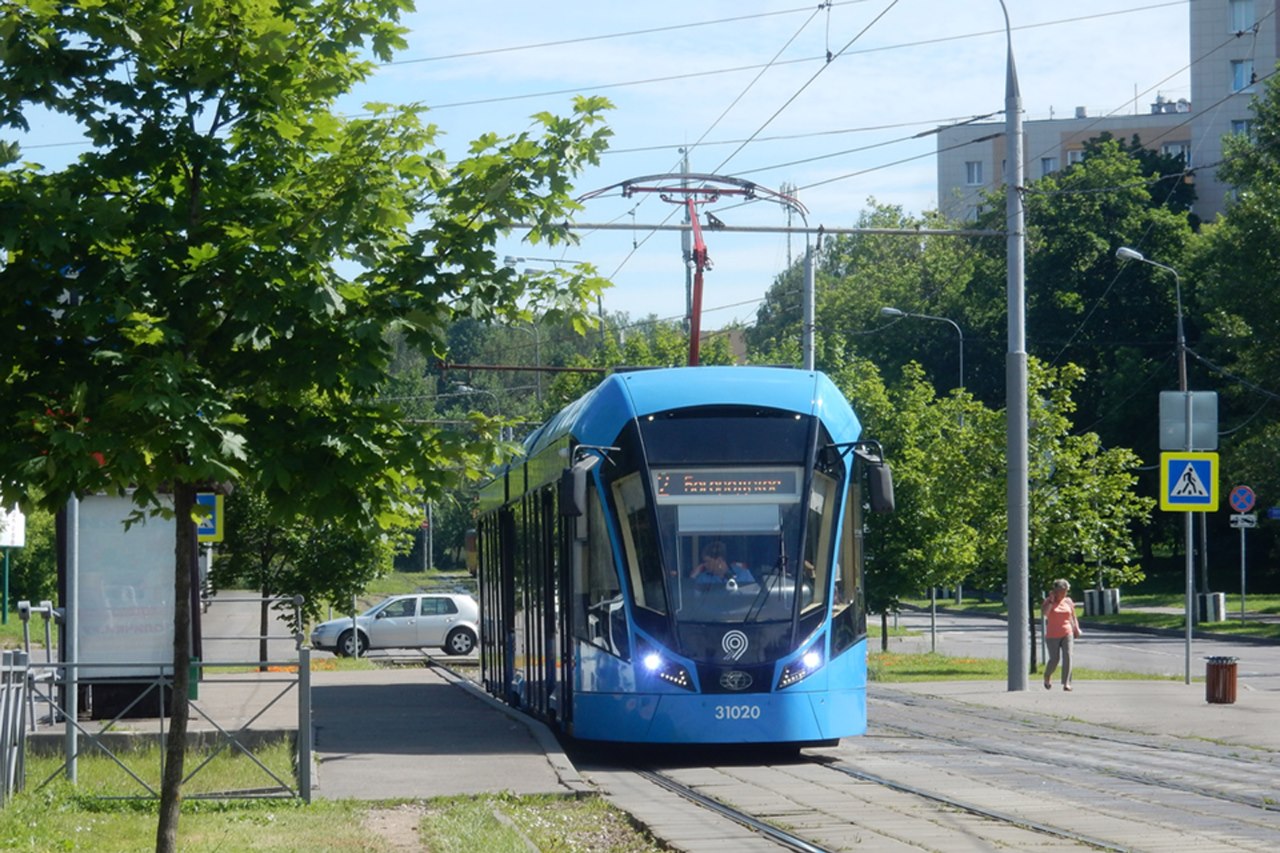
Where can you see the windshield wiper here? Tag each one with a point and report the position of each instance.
(768, 585)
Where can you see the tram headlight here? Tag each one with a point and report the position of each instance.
(804, 666)
(669, 671)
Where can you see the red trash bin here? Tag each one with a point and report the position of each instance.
(1220, 680)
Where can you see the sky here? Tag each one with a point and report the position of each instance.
(747, 87)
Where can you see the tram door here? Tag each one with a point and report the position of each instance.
(496, 559)
(534, 601)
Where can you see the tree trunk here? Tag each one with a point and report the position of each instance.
(264, 622)
(884, 630)
(184, 498)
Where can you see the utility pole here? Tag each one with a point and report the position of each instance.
(1018, 499)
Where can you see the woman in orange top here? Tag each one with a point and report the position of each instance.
(1060, 630)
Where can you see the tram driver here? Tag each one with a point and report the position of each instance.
(716, 571)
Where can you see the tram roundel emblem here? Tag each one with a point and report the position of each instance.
(734, 644)
(1241, 499)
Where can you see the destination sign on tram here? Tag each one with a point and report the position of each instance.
(726, 482)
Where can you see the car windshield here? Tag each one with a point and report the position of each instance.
(383, 605)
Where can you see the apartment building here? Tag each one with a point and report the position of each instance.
(1233, 45)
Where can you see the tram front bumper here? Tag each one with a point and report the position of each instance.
(785, 717)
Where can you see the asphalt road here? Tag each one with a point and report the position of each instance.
(966, 635)
(231, 626)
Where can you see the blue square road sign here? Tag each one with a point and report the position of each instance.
(1189, 481)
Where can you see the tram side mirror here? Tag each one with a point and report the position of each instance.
(880, 486)
(573, 490)
(574, 485)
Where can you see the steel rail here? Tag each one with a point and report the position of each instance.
(783, 837)
(1145, 779)
(971, 808)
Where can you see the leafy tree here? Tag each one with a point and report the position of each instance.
(1082, 308)
(859, 274)
(1236, 266)
(932, 445)
(1115, 320)
(318, 560)
(646, 343)
(1166, 174)
(948, 463)
(1083, 501)
(181, 309)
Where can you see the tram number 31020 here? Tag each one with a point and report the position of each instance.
(737, 712)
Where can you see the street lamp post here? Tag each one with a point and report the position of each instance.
(511, 261)
(468, 391)
(933, 590)
(894, 312)
(532, 329)
(1125, 253)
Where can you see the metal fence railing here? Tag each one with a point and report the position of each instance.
(111, 738)
(13, 717)
(235, 705)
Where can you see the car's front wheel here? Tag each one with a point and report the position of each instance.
(460, 642)
(352, 645)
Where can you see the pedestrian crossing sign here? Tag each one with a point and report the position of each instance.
(1189, 481)
(209, 510)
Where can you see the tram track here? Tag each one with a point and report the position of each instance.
(774, 833)
(932, 767)
(1141, 790)
(995, 821)
(953, 802)
(1253, 801)
(1165, 760)
(794, 841)
(1002, 720)
(921, 811)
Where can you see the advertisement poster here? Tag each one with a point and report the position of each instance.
(126, 589)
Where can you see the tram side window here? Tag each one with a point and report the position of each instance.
(601, 619)
(817, 546)
(643, 555)
(848, 608)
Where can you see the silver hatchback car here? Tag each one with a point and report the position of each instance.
(448, 621)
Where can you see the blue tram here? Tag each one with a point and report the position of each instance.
(677, 558)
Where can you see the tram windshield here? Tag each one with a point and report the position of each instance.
(723, 523)
(731, 539)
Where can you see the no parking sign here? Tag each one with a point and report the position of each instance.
(1242, 498)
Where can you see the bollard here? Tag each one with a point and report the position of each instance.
(1220, 680)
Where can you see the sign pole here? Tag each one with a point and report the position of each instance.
(1190, 547)
(1190, 531)
(1242, 575)
(1189, 484)
(1242, 501)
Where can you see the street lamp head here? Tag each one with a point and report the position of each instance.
(891, 312)
(1125, 253)
(510, 261)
